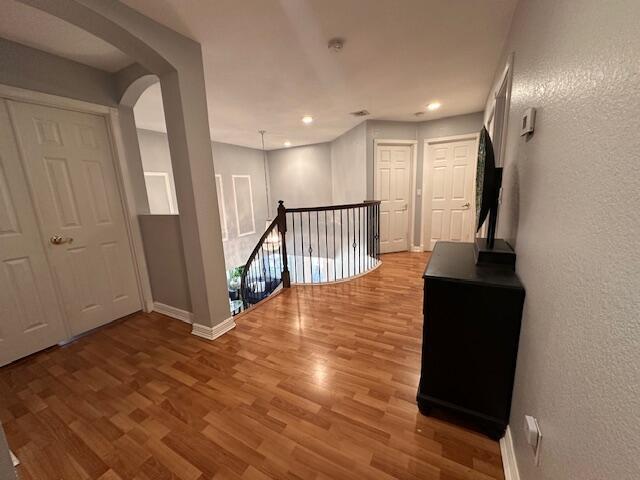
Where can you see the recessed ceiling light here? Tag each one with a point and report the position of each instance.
(307, 119)
(287, 143)
(433, 106)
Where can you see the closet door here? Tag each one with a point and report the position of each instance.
(69, 164)
(30, 317)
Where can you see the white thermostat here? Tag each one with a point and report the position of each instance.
(528, 121)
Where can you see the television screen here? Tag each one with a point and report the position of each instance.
(485, 178)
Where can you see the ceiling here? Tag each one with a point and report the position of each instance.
(267, 63)
(37, 29)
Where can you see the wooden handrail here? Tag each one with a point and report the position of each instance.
(259, 246)
(355, 248)
(332, 207)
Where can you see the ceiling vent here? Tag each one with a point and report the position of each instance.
(360, 113)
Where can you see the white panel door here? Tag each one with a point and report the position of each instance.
(450, 215)
(69, 164)
(30, 318)
(393, 189)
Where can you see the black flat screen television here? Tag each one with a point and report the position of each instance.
(488, 182)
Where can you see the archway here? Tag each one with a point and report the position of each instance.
(177, 62)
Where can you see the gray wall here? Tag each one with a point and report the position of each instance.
(443, 127)
(7, 472)
(301, 176)
(154, 152)
(348, 166)
(231, 160)
(32, 69)
(571, 197)
(420, 131)
(165, 260)
(228, 160)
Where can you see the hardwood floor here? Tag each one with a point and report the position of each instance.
(318, 383)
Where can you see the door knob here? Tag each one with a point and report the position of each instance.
(467, 205)
(59, 240)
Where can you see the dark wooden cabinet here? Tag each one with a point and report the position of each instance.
(472, 318)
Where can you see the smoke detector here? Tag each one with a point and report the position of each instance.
(336, 44)
(360, 113)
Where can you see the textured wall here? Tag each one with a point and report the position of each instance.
(571, 199)
(301, 176)
(348, 166)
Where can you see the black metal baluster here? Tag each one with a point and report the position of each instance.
(326, 244)
(353, 210)
(367, 226)
(348, 246)
(281, 269)
(359, 245)
(293, 234)
(310, 245)
(334, 244)
(378, 231)
(341, 245)
(318, 244)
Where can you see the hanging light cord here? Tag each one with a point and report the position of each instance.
(266, 176)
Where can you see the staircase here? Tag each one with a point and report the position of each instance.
(316, 245)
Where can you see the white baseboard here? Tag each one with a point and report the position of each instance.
(173, 312)
(509, 462)
(14, 459)
(211, 333)
(417, 248)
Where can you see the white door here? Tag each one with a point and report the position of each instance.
(450, 212)
(393, 189)
(30, 317)
(69, 165)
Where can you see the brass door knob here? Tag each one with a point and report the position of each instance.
(59, 240)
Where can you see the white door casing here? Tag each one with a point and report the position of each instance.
(30, 317)
(449, 185)
(392, 186)
(69, 165)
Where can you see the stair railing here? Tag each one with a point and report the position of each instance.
(313, 246)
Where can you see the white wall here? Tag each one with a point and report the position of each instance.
(571, 196)
(301, 176)
(348, 166)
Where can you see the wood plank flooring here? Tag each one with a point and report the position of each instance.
(318, 383)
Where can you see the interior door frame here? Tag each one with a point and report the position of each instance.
(411, 224)
(123, 179)
(427, 184)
